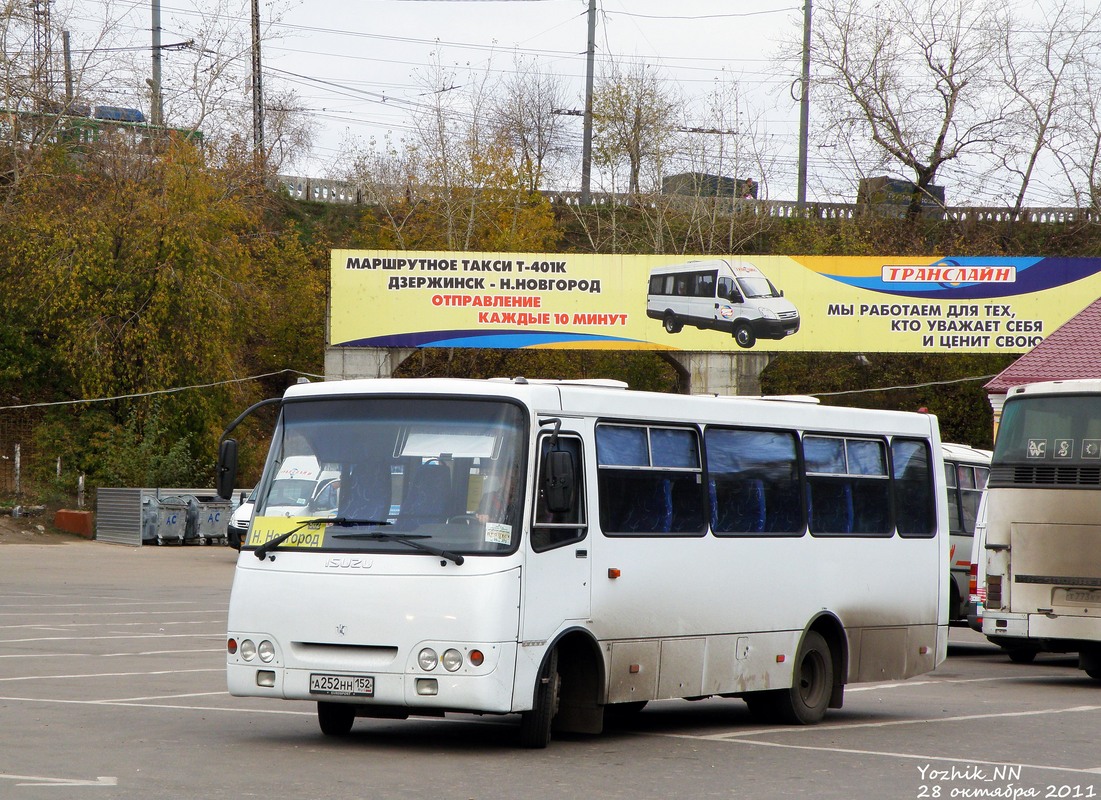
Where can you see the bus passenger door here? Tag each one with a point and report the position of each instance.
(557, 577)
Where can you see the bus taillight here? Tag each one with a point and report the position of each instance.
(994, 591)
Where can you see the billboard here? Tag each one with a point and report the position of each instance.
(859, 304)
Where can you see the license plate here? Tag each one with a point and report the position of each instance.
(1090, 597)
(345, 685)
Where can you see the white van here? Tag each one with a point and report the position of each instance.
(237, 530)
(296, 491)
(723, 294)
(294, 486)
(976, 598)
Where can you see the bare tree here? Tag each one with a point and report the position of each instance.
(634, 123)
(726, 142)
(526, 114)
(911, 77)
(1081, 157)
(208, 80)
(1044, 68)
(390, 177)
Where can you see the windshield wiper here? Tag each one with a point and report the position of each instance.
(413, 540)
(262, 551)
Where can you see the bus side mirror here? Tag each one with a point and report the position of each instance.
(559, 481)
(226, 475)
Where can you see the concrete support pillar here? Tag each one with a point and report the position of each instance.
(720, 372)
(346, 363)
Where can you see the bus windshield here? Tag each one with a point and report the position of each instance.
(757, 287)
(1057, 429)
(444, 473)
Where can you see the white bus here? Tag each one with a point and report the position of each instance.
(1043, 533)
(556, 549)
(965, 472)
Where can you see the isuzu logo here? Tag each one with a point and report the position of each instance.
(348, 562)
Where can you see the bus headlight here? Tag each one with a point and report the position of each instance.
(248, 649)
(767, 313)
(452, 660)
(266, 651)
(427, 659)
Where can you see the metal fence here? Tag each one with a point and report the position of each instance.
(18, 456)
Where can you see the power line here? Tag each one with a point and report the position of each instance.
(899, 388)
(162, 391)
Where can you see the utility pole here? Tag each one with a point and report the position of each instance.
(257, 88)
(68, 71)
(587, 142)
(156, 107)
(804, 109)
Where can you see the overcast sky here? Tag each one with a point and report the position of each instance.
(360, 67)
(386, 44)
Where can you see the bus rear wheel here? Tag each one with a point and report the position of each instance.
(671, 323)
(806, 701)
(335, 719)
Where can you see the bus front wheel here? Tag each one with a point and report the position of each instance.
(743, 335)
(335, 719)
(535, 725)
(806, 701)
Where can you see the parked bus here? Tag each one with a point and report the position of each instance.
(556, 549)
(965, 472)
(1043, 534)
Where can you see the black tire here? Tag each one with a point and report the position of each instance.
(535, 725)
(806, 701)
(1022, 655)
(335, 719)
(955, 603)
(671, 323)
(744, 335)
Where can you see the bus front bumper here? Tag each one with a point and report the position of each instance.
(416, 692)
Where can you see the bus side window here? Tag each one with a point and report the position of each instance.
(912, 473)
(649, 480)
(554, 529)
(753, 482)
(848, 491)
(705, 285)
(954, 523)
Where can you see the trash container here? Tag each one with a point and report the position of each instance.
(148, 519)
(211, 517)
(171, 519)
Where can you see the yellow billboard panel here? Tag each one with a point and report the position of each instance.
(705, 303)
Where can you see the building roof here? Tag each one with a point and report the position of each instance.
(1071, 351)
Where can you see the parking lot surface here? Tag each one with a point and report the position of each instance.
(112, 685)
